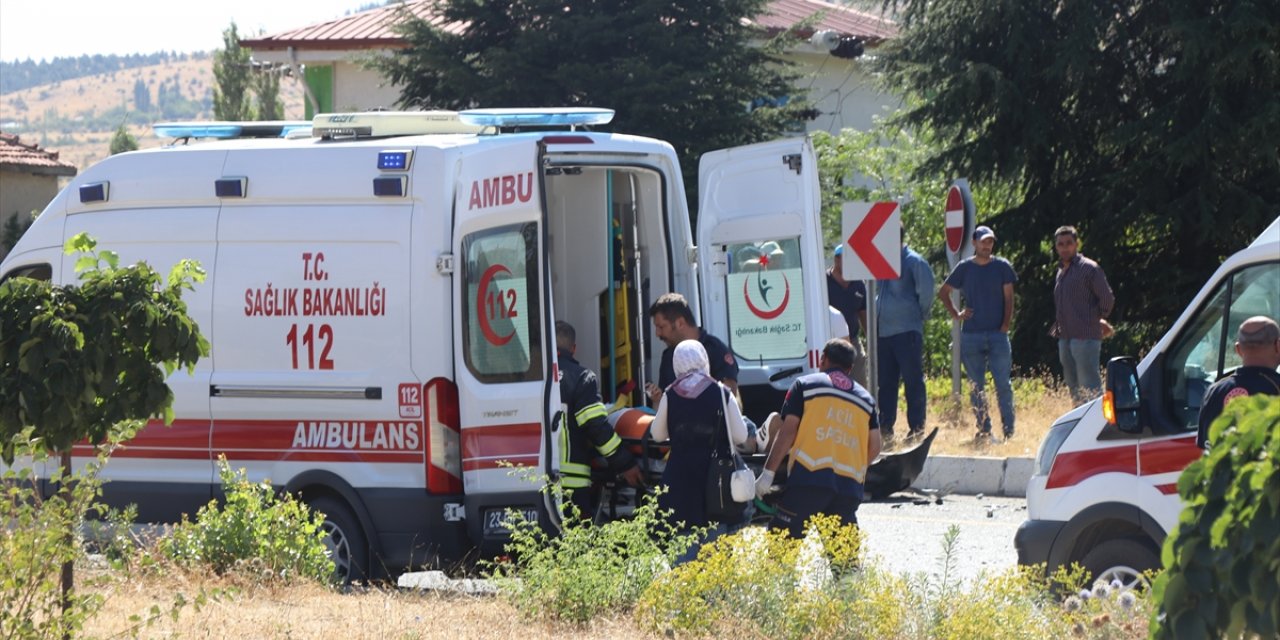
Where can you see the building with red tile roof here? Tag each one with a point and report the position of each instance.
(28, 179)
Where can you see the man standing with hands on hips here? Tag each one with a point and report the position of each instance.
(986, 284)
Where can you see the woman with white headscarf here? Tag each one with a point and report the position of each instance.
(692, 415)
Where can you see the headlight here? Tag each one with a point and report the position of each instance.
(1052, 442)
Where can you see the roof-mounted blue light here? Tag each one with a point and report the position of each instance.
(229, 130)
(530, 117)
(196, 130)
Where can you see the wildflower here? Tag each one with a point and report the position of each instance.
(1078, 629)
(1116, 585)
(1127, 600)
(1072, 603)
(1101, 620)
(1101, 590)
(1086, 594)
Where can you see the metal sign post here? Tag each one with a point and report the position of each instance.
(959, 219)
(872, 232)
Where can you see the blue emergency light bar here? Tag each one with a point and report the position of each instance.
(229, 130)
(525, 117)
(196, 130)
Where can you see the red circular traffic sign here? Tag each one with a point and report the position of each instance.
(955, 219)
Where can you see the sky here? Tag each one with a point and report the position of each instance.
(46, 29)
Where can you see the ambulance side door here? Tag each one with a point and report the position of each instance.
(504, 347)
(760, 262)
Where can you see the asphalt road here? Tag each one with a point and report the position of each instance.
(906, 535)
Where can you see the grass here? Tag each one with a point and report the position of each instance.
(1037, 401)
(305, 610)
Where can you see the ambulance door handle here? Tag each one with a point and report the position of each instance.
(555, 421)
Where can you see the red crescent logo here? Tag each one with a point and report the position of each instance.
(485, 280)
(768, 315)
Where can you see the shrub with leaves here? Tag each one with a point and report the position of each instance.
(1222, 576)
(586, 570)
(821, 587)
(34, 544)
(258, 532)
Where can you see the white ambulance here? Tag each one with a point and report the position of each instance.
(1104, 492)
(382, 294)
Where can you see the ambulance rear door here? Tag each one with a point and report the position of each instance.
(760, 261)
(504, 348)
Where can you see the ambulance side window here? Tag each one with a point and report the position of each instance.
(501, 315)
(766, 300)
(1202, 355)
(33, 271)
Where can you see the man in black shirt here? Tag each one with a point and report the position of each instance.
(673, 322)
(1258, 343)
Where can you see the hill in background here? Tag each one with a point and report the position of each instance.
(77, 117)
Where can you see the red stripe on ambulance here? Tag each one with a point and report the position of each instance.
(485, 447)
(1167, 456)
(1074, 467)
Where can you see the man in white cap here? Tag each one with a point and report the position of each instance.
(985, 281)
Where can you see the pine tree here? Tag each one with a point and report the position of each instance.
(266, 84)
(141, 96)
(1144, 124)
(232, 76)
(685, 71)
(123, 141)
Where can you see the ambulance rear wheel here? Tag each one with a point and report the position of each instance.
(344, 539)
(1122, 559)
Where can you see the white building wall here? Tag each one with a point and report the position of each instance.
(843, 91)
(358, 89)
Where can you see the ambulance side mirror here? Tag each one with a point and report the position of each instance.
(1122, 401)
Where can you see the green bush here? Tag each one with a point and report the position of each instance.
(586, 570)
(822, 587)
(270, 536)
(1222, 576)
(35, 541)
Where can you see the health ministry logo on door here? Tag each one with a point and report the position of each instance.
(764, 287)
(766, 304)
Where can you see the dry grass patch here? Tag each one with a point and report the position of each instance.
(1037, 403)
(312, 611)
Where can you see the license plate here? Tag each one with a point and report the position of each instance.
(497, 521)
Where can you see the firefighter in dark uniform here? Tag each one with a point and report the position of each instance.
(1258, 343)
(588, 434)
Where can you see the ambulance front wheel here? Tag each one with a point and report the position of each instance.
(1122, 559)
(344, 539)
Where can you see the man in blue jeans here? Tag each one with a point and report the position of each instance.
(1082, 300)
(902, 306)
(986, 284)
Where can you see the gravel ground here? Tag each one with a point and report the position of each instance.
(906, 534)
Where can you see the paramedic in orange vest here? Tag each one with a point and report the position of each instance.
(831, 432)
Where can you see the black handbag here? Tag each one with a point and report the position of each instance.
(721, 505)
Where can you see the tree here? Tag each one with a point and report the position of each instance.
(141, 96)
(232, 78)
(123, 141)
(76, 361)
(266, 83)
(885, 163)
(1144, 124)
(684, 71)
